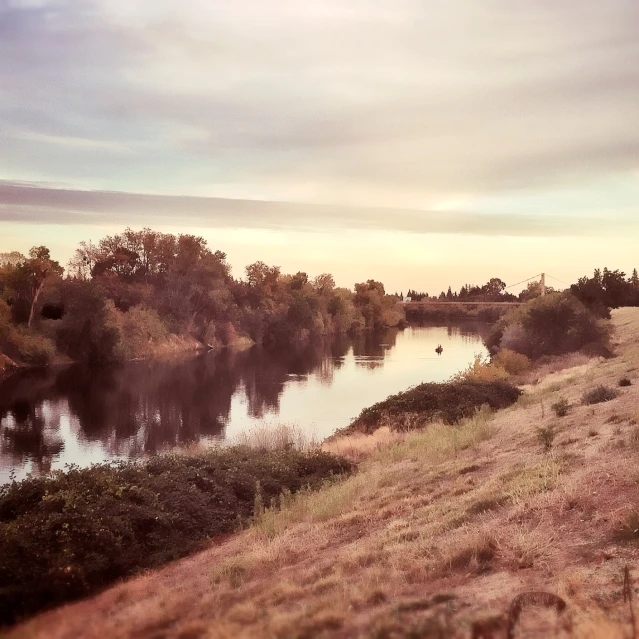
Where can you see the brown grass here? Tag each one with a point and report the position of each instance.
(437, 530)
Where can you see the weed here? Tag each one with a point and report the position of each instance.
(624, 381)
(546, 436)
(234, 571)
(599, 394)
(561, 407)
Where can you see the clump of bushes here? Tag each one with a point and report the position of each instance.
(561, 407)
(550, 325)
(449, 402)
(599, 394)
(67, 534)
(624, 381)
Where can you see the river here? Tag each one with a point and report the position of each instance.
(75, 415)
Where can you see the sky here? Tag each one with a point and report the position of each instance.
(418, 143)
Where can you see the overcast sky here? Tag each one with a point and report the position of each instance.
(418, 142)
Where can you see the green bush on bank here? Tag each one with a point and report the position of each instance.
(449, 402)
(550, 325)
(67, 534)
(22, 344)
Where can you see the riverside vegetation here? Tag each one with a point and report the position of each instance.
(66, 534)
(439, 525)
(144, 293)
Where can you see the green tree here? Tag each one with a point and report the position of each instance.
(29, 277)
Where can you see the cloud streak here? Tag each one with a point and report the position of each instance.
(39, 204)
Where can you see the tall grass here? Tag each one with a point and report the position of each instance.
(440, 441)
(276, 437)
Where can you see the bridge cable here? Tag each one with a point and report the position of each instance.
(557, 279)
(524, 281)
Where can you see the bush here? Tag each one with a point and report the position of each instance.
(561, 407)
(624, 381)
(140, 330)
(22, 344)
(512, 362)
(65, 535)
(449, 402)
(88, 331)
(599, 394)
(481, 371)
(546, 436)
(550, 325)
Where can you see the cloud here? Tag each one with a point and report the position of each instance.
(30, 203)
(361, 103)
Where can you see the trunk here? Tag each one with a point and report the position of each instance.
(36, 294)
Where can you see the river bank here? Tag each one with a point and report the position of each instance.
(437, 531)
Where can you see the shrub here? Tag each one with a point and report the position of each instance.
(22, 344)
(481, 371)
(140, 329)
(546, 435)
(624, 381)
(67, 534)
(449, 402)
(88, 332)
(599, 394)
(561, 407)
(550, 325)
(512, 362)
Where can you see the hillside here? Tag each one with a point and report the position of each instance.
(437, 530)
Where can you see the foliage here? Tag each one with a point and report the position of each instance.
(624, 381)
(546, 436)
(70, 533)
(481, 370)
(512, 362)
(449, 402)
(87, 331)
(22, 344)
(561, 407)
(23, 279)
(599, 394)
(140, 328)
(607, 289)
(550, 325)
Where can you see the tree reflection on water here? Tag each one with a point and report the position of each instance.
(85, 415)
(140, 408)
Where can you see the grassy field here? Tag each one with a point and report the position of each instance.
(438, 530)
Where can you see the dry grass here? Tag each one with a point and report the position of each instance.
(357, 447)
(437, 529)
(275, 437)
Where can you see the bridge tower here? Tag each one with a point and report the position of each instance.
(543, 283)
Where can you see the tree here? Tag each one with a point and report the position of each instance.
(30, 275)
(81, 265)
(494, 288)
(324, 283)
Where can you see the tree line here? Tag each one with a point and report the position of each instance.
(133, 289)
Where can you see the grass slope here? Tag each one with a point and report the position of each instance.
(437, 530)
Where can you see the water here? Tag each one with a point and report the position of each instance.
(49, 418)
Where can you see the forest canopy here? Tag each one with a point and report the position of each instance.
(128, 293)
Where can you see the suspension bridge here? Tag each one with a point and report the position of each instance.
(541, 277)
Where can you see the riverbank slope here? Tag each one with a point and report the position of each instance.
(438, 530)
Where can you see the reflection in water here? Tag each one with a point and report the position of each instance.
(80, 415)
